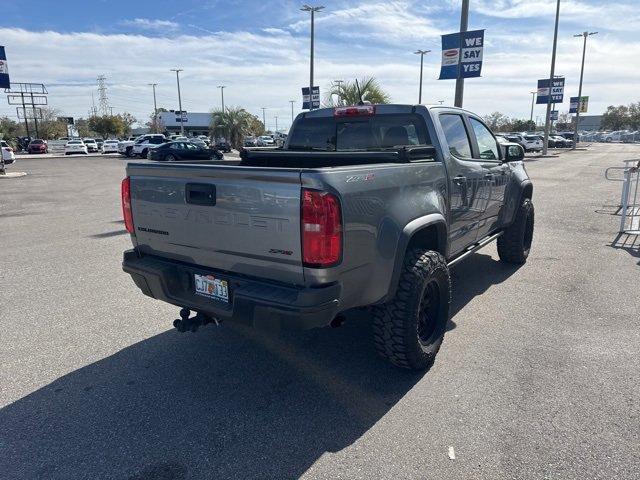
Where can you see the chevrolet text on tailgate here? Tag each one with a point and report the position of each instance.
(364, 206)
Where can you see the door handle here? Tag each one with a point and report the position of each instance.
(200, 194)
(488, 176)
(459, 180)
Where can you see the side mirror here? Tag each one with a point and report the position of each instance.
(514, 153)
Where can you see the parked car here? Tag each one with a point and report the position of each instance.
(145, 143)
(514, 138)
(266, 141)
(91, 144)
(7, 153)
(296, 237)
(250, 142)
(532, 143)
(99, 142)
(615, 136)
(110, 146)
(556, 141)
(37, 146)
(223, 145)
(125, 147)
(199, 142)
(75, 146)
(179, 151)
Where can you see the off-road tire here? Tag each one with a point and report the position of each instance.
(398, 333)
(515, 243)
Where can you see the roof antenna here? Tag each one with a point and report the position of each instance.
(359, 93)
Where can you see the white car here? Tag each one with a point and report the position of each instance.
(7, 153)
(265, 141)
(92, 145)
(147, 142)
(110, 146)
(198, 141)
(532, 143)
(614, 136)
(75, 146)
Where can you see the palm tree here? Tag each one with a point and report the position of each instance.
(233, 124)
(346, 93)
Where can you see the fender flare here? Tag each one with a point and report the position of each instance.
(407, 234)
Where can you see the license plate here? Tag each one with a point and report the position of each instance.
(212, 287)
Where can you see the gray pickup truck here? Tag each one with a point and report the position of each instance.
(365, 206)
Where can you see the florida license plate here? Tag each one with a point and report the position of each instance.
(212, 287)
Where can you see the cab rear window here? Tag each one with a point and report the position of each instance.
(358, 133)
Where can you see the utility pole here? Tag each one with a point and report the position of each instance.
(178, 70)
(584, 51)
(111, 111)
(292, 102)
(421, 53)
(533, 100)
(551, 77)
(155, 107)
(276, 124)
(264, 119)
(222, 87)
(464, 25)
(35, 115)
(313, 10)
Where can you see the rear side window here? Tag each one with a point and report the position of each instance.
(456, 135)
(362, 133)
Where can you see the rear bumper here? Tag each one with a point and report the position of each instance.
(252, 302)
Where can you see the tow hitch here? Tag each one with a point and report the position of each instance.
(184, 323)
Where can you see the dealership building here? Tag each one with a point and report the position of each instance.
(195, 123)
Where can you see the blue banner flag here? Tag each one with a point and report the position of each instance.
(4, 70)
(462, 55)
(557, 91)
(315, 99)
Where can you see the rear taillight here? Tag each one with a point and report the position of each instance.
(126, 204)
(321, 225)
(355, 111)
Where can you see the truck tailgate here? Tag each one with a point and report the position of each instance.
(240, 219)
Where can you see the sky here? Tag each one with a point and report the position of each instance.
(260, 51)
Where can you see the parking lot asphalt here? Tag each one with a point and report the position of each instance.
(538, 376)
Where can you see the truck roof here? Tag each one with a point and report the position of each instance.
(385, 109)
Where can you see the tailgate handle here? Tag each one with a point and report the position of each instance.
(200, 194)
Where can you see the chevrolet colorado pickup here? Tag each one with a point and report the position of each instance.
(365, 206)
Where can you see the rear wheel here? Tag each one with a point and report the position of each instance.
(169, 158)
(409, 330)
(128, 152)
(514, 244)
(143, 154)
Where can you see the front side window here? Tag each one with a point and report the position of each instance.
(456, 135)
(487, 144)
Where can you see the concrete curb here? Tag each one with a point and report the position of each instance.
(13, 175)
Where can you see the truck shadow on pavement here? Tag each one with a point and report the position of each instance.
(226, 402)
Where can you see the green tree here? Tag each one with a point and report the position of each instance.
(9, 129)
(256, 127)
(616, 118)
(155, 123)
(518, 125)
(497, 122)
(346, 93)
(233, 124)
(634, 116)
(82, 127)
(49, 127)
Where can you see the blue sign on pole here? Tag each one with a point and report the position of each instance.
(462, 55)
(4, 70)
(315, 100)
(557, 91)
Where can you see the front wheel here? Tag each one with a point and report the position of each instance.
(409, 330)
(169, 158)
(514, 244)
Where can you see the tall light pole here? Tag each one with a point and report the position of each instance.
(339, 83)
(421, 53)
(551, 77)
(584, 50)
(222, 87)
(313, 10)
(464, 25)
(155, 107)
(292, 102)
(533, 100)
(276, 124)
(264, 118)
(178, 70)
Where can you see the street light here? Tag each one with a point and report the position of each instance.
(155, 108)
(533, 99)
(264, 119)
(584, 50)
(545, 144)
(312, 10)
(464, 25)
(222, 87)
(292, 102)
(421, 53)
(178, 70)
(276, 123)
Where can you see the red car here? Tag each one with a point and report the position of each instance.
(37, 146)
